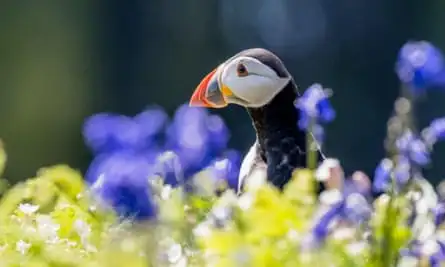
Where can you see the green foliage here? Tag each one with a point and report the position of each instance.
(51, 220)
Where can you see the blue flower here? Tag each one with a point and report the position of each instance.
(420, 65)
(434, 132)
(314, 107)
(413, 249)
(438, 257)
(322, 227)
(122, 182)
(353, 208)
(434, 250)
(439, 214)
(152, 123)
(129, 150)
(357, 209)
(227, 168)
(218, 132)
(382, 175)
(168, 166)
(386, 170)
(413, 148)
(196, 137)
(105, 133)
(359, 183)
(402, 172)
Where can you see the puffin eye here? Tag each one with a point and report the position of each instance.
(241, 70)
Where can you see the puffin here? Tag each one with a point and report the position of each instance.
(258, 80)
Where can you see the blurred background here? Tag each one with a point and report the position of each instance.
(61, 61)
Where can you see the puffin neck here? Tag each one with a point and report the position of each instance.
(281, 143)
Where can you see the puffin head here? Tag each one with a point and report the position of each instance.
(251, 78)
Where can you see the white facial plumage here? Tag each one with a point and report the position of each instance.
(252, 83)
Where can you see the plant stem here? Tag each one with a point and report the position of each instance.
(410, 122)
(388, 228)
(405, 113)
(311, 154)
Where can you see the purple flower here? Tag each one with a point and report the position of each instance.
(314, 107)
(420, 65)
(122, 182)
(357, 209)
(433, 249)
(105, 133)
(359, 183)
(413, 148)
(196, 137)
(382, 175)
(130, 150)
(434, 132)
(439, 256)
(402, 172)
(168, 166)
(413, 250)
(218, 132)
(439, 214)
(321, 228)
(152, 123)
(227, 168)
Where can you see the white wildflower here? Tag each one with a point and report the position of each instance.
(344, 233)
(222, 164)
(182, 262)
(330, 197)
(242, 257)
(83, 229)
(22, 247)
(202, 230)
(245, 201)
(47, 228)
(430, 247)
(221, 213)
(174, 253)
(28, 209)
(323, 171)
(293, 235)
(408, 262)
(128, 245)
(166, 192)
(356, 248)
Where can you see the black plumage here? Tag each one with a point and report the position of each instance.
(280, 144)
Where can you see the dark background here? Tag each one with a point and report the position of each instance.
(61, 61)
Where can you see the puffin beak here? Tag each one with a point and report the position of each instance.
(209, 94)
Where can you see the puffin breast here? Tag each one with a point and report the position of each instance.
(253, 169)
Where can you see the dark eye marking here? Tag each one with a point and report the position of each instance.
(241, 70)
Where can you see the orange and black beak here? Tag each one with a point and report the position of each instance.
(209, 94)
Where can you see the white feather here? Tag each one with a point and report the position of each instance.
(253, 169)
(255, 89)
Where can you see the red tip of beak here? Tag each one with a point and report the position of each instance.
(198, 98)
